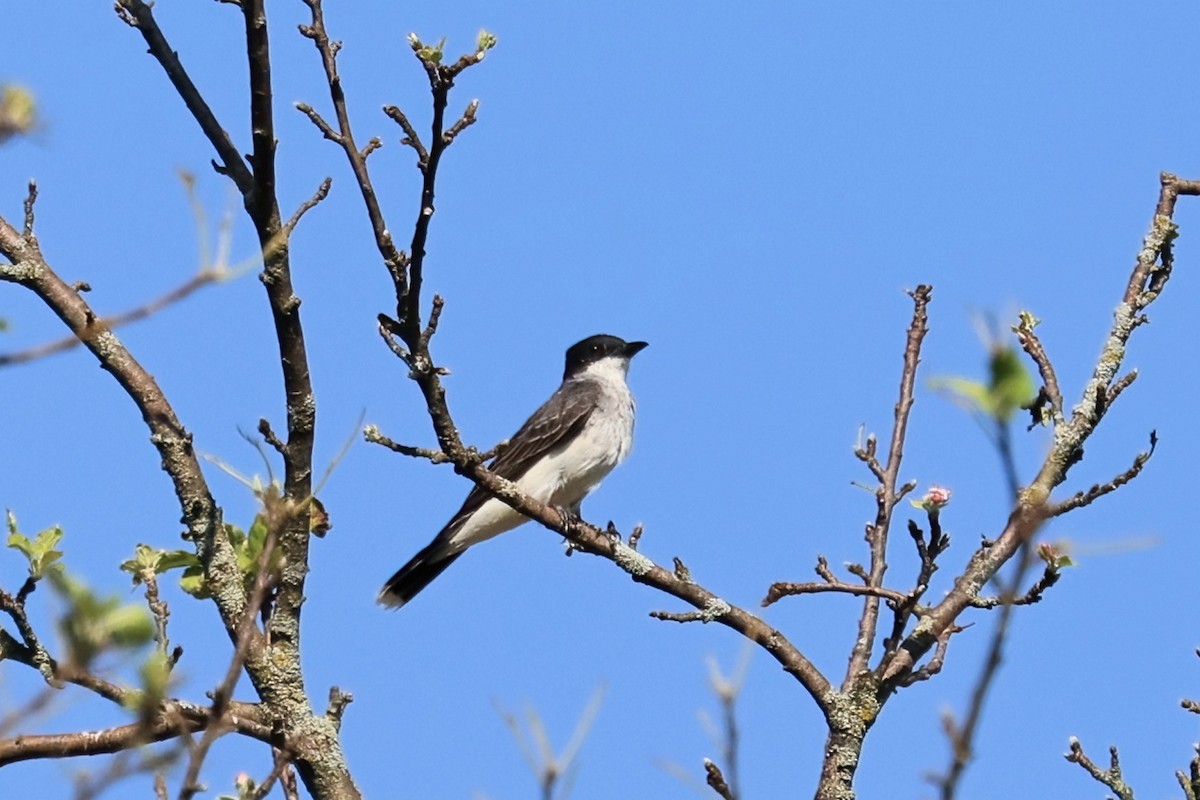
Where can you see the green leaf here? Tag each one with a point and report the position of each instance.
(93, 624)
(973, 395)
(236, 535)
(40, 551)
(157, 561)
(193, 582)
(485, 41)
(18, 111)
(155, 673)
(129, 626)
(1011, 387)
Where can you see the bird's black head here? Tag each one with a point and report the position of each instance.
(583, 354)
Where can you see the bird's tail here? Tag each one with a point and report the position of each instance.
(414, 576)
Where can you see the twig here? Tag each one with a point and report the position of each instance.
(247, 634)
(338, 700)
(159, 610)
(320, 194)
(1049, 577)
(714, 778)
(887, 495)
(281, 764)
(714, 610)
(934, 665)
(140, 16)
(1033, 346)
(549, 769)
(1145, 283)
(1119, 385)
(464, 122)
(928, 553)
(36, 653)
(635, 536)
(596, 541)
(778, 591)
(394, 260)
(102, 324)
(30, 201)
(1081, 499)
(1110, 777)
(116, 739)
(727, 690)
(288, 781)
(372, 435)
(411, 139)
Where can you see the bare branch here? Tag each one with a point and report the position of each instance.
(102, 324)
(635, 536)
(934, 665)
(30, 201)
(173, 720)
(320, 194)
(1081, 499)
(1033, 346)
(887, 495)
(31, 651)
(324, 127)
(372, 435)
(595, 541)
(1049, 577)
(714, 610)
(393, 259)
(714, 778)
(140, 16)
(269, 436)
(248, 635)
(411, 139)
(464, 122)
(1110, 777)
(778, 591)
(1119, 385)
(1033, 508)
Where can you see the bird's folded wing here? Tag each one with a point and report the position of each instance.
(558, 421)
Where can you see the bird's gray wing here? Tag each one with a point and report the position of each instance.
(559, 420)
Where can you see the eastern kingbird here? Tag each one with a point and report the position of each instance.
(558, 456)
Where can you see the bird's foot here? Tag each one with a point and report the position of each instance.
(569, 516)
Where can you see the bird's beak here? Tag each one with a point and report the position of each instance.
(633, 348)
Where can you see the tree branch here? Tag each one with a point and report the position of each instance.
(173, 721)
(140, 16)
(1081, 499)
(393, 259)
(1033, 508)
(1110, 777)
(886, 495)
(173, 442)
(197, 281)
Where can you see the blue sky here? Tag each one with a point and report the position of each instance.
(750, 189)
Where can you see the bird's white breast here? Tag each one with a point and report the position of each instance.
(569, 472)
(577, 467)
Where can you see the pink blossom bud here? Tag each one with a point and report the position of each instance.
(936, 498)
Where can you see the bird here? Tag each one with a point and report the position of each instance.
(558, 456)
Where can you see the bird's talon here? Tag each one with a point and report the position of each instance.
(569, 517)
